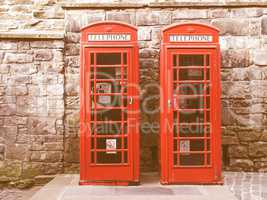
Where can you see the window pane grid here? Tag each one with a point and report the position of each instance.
(108, 72)
(191, 148)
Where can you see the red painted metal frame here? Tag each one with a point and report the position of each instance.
(206, 174)
(117, 173)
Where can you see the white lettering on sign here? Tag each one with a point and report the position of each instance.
(191, 38)
(109, 37)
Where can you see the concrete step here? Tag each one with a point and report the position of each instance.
(65, 187)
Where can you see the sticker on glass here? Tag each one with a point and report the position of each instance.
(185, 146)
(104, 88)
(111, 145)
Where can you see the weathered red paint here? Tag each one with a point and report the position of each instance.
(93, 171)
(173, 169)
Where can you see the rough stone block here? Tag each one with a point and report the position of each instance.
(72, 37)
(219, 13)
(41, 126)
(235, 58)
(77, 20)
(232, 26)
(242, 164)
(71, 150)
(258, 88)
(240, 74)
(23, 45)
(72, 86)
(146, 17)
(149, 53)
(4, 68)
(72, 61)
(264, 25)
(236, 89)
(254, 27)
(21, 90)
(258, 149)
(55, 89)
(72, 50)
(190, 14)
(58, 55)
(244, 42)
(144, 33)
(46, 156)
(155, 43)
(7, 109)
(229, 140)
(72, 102)
(32, 169)
(43, 179)
(8, 45)
(17, 152)
(260, 57)
(228, 116)
(43, 55)
(54, 12)
(44, 44)
(238, 151)
(17, 58)
(2, 148)
(23, 69)
(10, 168)
(124, 16)
(249, 136)
(246, 12)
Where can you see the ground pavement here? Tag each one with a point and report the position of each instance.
(245, 186)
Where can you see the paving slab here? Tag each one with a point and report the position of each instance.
(65, 187)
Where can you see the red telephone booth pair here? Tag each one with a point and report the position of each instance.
(190, 143)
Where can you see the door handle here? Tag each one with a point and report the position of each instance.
(169, 103)
(131, 100)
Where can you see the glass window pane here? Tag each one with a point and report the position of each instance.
(92, 58)
(109, 157)
(108, 58)
(191, 74)
(191, 60)
(125, 59)
(125, 156)
(108, 128)
(192, 159)
(192, 130)
(191, 88)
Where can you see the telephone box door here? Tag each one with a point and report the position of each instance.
(190, 135)
(110, 141)
(193, 144)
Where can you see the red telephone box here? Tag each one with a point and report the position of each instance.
(190, 135)
(109, 133)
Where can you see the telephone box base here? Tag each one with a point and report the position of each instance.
(109, 183)
(218, 182)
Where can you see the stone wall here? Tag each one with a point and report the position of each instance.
(243, 44)
(31, 109)
(39, 88)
